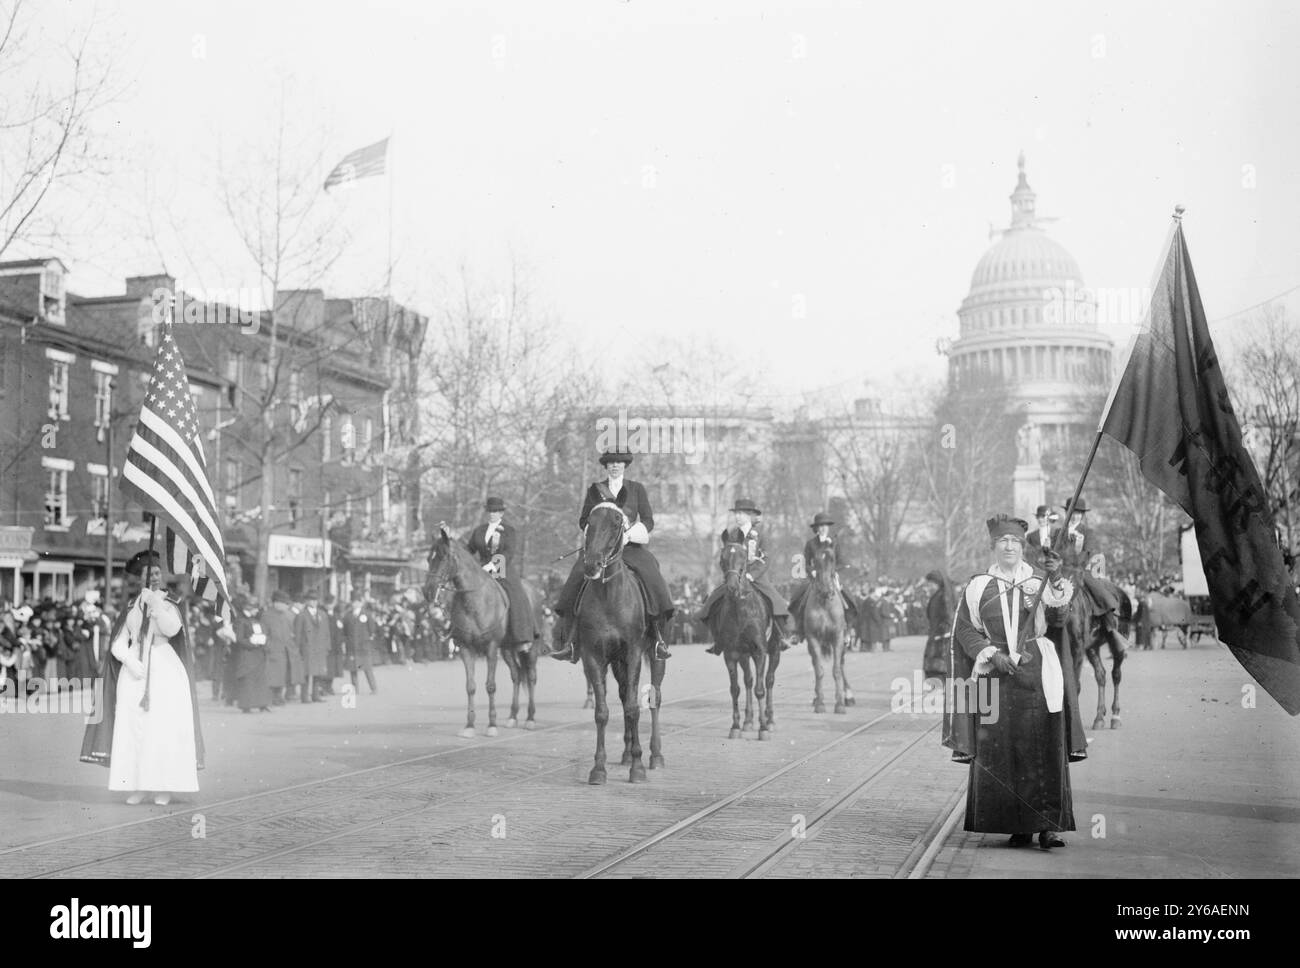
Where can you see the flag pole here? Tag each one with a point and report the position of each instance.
(148, 614)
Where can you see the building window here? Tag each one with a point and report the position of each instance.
(706, 495)
(368, 440)
(370, 514)
(347, 437)
(326, 437)
(295, 495)
(295, 388)
(56, 498)
(58, 390)
(347, 507)
(98, 492)
(103, 398)
(232, 486)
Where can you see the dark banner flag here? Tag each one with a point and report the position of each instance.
(1171, 409)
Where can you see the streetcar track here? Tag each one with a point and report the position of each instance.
(357, 794)
(489, 742)
(782, 846)
(642, 846)
(412, 811)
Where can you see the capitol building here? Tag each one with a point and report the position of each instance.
(1028, 328)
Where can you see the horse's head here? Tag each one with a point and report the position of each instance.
(734, 560)
(442, 563)
(824, 567)
(603, 541)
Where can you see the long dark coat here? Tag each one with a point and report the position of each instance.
(313, 638)
(521, 626)
(635, 503)
(283, 664)
(251, 688)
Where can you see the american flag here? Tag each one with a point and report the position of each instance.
(365, 162)
(166, 473)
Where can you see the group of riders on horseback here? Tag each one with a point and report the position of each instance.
(495, 546)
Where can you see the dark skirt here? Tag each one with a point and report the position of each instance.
(775, 600)
(642, 564)
(251, 688)
(801, 594)
(520, 625)
(934, 663)
(1020, 778)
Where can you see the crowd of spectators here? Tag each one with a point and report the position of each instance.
(54, 642)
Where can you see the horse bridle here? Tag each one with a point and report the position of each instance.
(617, 553)
(738, 572)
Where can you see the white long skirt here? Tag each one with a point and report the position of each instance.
(154, 750)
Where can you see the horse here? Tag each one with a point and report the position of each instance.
(478, 613)
(610, 632)
(741, 625)
(823, 625)
(1086, 634)
(523, 664)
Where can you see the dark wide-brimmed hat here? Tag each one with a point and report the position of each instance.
(1080, 507)
(138, 562)
(280, 595)
(494, 504)
(244, 603)
(820, 518)
(1004, 524)
(609, 456)
(1042, 511)
(746, 505)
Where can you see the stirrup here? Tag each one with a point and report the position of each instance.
(661, 650)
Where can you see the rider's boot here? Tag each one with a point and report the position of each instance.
(656, 631)
(562, 646)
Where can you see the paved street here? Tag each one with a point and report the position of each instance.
(1192, 785)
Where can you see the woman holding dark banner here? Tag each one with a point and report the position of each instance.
(1005, 714)
(150, 727)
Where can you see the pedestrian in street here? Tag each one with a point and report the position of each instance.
(313, 637)
(282, 662)
(251, 689)
(1011, 727)
(335, 610)
(938, 613)
(148, 734)
(358, 642)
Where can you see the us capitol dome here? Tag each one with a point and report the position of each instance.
(1028, 328)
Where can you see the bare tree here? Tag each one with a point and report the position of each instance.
(966, 463)
(497, 379)
(874, 457)
(50, 95)
(1265, 384)
(290, 347)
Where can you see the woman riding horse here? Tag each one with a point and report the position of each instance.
(495, 544)
(745, 532)
(821, 527)
(631, 497)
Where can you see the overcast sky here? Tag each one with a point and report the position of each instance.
(668, 168)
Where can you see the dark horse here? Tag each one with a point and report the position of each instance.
(610, 631)
(1086, 634)
(741, 625)
(823, 625)
(478, 614)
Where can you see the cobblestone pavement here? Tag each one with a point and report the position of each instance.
(387, 789)
(1193, 784)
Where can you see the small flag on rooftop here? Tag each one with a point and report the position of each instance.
(368, 162)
